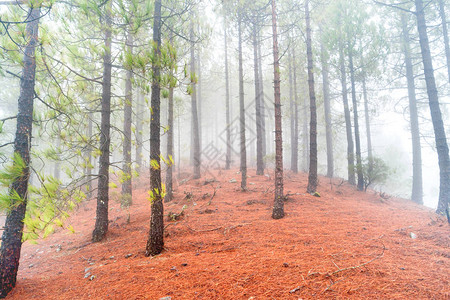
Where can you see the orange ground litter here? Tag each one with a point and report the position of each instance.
(343, 245)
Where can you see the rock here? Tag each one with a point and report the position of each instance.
(413, 235)
(87, 269)
(173, 268)
(165, 298)
(30, 265)
(184, 264)
(233, 180)
(92, 277)
(285, 265)
(87, 275)
(128, 255)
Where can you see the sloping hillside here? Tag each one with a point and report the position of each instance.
(344, 244)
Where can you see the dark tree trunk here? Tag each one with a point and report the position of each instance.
(243, 167)
(227, 102)
(367, 117)
(169, 173)
(445, 34)
(127, 192)
(356, 123)
(139, 119)
(12, 234)
(312, 177)
(278, 207)
(295, 141)
(348, 122)
(417, 186)
(327, 111)
(262, 102)
(258, 100)
(101, 221)
(436, 116)
(155, 242)
(292, 117)
(305, 136)
(195, 135)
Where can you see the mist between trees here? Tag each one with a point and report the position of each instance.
(96, 95)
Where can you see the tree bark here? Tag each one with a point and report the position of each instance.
(258, 100)
(243, 167)
(278, 207)
(436, 115)
(155, 242)
(445, 34)
(195, 138)
(139, 119)
(359, 171)
(12, 234)
(292, 117)
(348, 122)
(312, 177)
(368, 130)
(327, 111)
(227, 101)
(127, 191)
(417, 186)
(101, 221)
(262, 102)
(295, 142)
(170, 152)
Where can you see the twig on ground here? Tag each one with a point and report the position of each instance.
(235, 226)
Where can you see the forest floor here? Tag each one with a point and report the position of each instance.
(343, 245)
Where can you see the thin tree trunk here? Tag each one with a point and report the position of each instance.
(101, 221)
(262, 102)
(259, 133)
(445, 34)
(327, 110)
(417, 186)
(12, 234)
(292, 119)
(367, 117)
(243, 167)
(195, 138)
(170, 152)
(295, 142)
(127, 191)
(199, 101)
(348, 122)
(278, 207)
(155, 242)
(305, 136)
(356, 123)
(227, 101)
(436, 115)
(139, 113)
(312, 177)
(89, 163)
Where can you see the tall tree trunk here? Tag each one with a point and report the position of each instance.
(305, 136)
(278, 207)
(312, 177)
(417, 186)
(295, 142)
(356, 123)
(199, 100)
(227, 101)
(258, 100)
(89, 162)
(292, 118)
(445, 34)
(262, 102)
(367, 117)
(101, 221)
(155, 242)
(139, 119)
(170, 152)
(348, 122)
(127, 191)
(327, 110)
(12, 234)
(436, 116)
(243, 167)
(195, 135)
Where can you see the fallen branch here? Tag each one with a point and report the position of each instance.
(361, 265)
(235, 226)
(226, 249)
(173, 223)
(204, 230)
